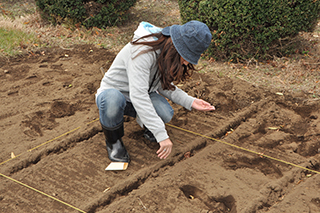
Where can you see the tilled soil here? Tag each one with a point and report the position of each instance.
(257, 152)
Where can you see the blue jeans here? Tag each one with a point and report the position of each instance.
(113, 106)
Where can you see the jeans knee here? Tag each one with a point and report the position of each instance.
(111, 104)
(167, 116)
(162, 107)
(111, 97)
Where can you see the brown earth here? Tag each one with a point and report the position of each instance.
(48, 121)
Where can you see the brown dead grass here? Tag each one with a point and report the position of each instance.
(299, 73)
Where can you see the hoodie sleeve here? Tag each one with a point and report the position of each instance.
(138, 71)
(178, 96)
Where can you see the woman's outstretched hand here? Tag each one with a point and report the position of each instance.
(202, 105)
(165, 149)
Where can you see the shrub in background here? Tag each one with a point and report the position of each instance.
(95, 13)
(243, 29)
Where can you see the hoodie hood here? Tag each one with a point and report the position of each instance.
(144, 29)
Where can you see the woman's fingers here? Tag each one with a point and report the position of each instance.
(202, 105)
(163, 155)
(205, 106)
(165, 148)
(164, 152)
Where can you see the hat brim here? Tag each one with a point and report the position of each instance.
(166, 31)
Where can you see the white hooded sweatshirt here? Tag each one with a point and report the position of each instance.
(132, 74)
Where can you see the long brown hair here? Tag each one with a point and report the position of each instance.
(168, 60)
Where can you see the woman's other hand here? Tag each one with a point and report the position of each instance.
(202, 105)
(165, 148)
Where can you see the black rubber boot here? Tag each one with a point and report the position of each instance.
(116, 150)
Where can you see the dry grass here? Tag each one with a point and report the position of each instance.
(297, 73)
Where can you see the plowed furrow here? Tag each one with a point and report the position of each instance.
(17, 198)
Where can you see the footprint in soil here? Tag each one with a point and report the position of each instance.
(61, 109)
(220, 204)
(263, 164)
(316, 201)
(37, 121)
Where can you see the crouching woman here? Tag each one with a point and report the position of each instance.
(141, 78)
